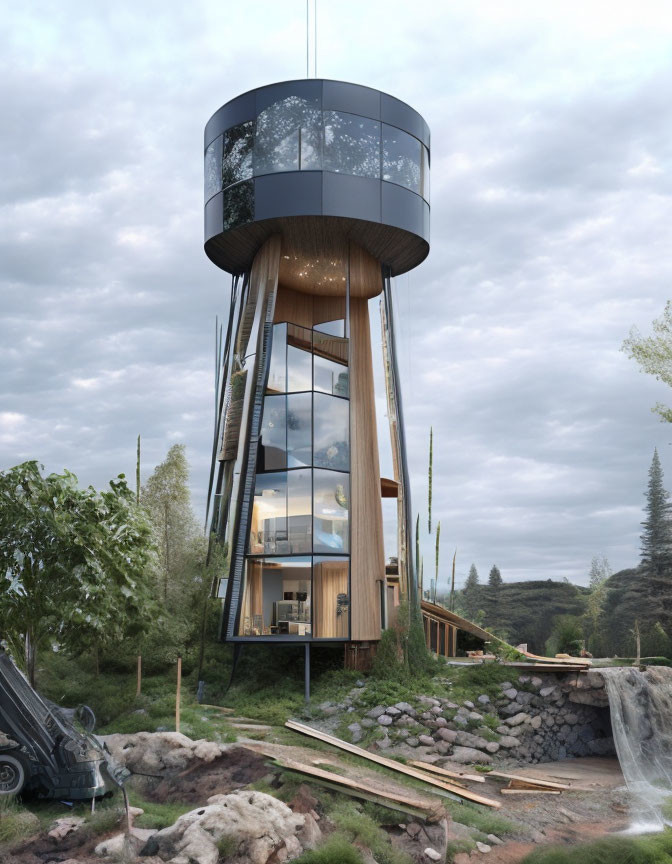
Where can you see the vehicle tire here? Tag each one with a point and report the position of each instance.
(12, 774)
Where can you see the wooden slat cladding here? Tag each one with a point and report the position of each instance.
(366, 518)
(306, 310)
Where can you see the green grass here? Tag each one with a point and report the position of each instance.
(156, 815)
(645, 849)
(480, 818)
(360, 825)
(336, 849)
(16, 823)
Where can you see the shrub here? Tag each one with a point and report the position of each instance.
(336, 849)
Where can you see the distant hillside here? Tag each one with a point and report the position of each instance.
(632, 596)
(524, 611)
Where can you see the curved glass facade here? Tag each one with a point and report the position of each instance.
(297, 564)
(295, 134)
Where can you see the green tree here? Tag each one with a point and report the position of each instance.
(495, 577)
(656, 535)
(167, 499)
(471, 593)
(600, 571)
(654, 354)
(74, 560)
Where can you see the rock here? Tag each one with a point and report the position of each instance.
(440, 721)
(260, 825)
(505, 685)
(405, 708)
(511, 709)
(311, 834)
(385, 720)
(367, 722)
(123, 847)
(483, 847)
(449, 735)
(517, 719)
(375, 713)
(383, 743)
(393, 712)
(449, 706)
(502, 730)
(360, 683)
(596, 698)
(66, 825)
(475, 716)
(494, 839)
(407, 721)
(412, 742)
(436, 709)
(536, 682)
(466, 739)
(524, 698)
(545, 692)
(511, 693)
(461, 720)
(426, 740)
(469, 705)
(484, 700)
(523, 679)
(355, 731)
(413, 829)
(535, 722)
(304, 801)
(161, 752)
(467, 755)
(571, 719)
(492, 747)
(432, 854)
(508, 741)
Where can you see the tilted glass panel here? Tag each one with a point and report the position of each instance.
(288, 136)
(238, 205)
(331, 598)
(299, 359)
(213, 168)
(268, 527)
(330, 364)
(331, 435)
(299, 511)
(332, 328)
(331, 503)
(276, 597)
(277, 371)
(424, 172)
(273, 444)
(351, 144)
(401, 158)
(299, 430)
(237, 154)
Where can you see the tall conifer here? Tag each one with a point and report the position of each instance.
(657, 534)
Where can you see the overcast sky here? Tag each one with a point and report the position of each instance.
(551, 236)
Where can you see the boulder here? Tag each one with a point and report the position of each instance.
(484, 700)
(492, 747)
(385, 720)
(355, 731)
(511, 693)
(161, 752)
(375, 713)
(405, 708)
(508, 741)
(467, 755)
(426, 740)
(393, 712)
(449, 735)
(258, 826)
(517, 719)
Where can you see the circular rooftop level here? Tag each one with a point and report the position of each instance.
(281, 155)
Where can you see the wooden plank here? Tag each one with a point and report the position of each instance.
(367, 561)
(459, 775)
(536, 781)
(529, 791)
(358, 786)
(218, 708)
(390, 763)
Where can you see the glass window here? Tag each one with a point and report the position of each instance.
(331, 601)
(424, 172)
(213, 168)
(299, 430)
(331, 494)
(276, 597)
(238, 205)
(237, 154)
(268, 529)
(351, 144)
(401, 158)
(277, 372)
(299, 359)
(299, 511)
(288, 136)
(330, 364)
(331, 435)
(273, 444)
(332, 328)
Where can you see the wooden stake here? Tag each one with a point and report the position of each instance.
(138, 689)
(177, 697)
(390, 763)
(532, 781)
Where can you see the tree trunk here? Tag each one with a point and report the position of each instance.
(30, 656)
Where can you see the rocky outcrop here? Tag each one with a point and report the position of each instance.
(253, 827)
(159, 753)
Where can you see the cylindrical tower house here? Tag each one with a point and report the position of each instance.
(316, 194)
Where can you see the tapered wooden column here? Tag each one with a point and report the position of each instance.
(367, 563)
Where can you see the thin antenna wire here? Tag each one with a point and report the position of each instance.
(307, 40)
(315, 40)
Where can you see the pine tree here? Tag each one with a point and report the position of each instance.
(657, 534)
(471, 592)
(495, 577)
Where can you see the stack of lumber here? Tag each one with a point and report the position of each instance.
(519, 785)
(409, 770)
